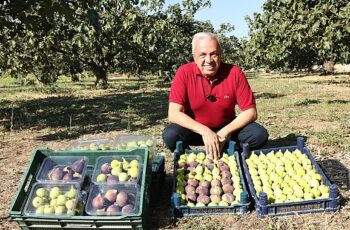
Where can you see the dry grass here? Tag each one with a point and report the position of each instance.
(289, 105)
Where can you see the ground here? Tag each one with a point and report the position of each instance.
(315, 107)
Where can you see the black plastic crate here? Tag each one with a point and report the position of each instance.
(137, 220)
(158, 177)
(180, 210)
(264, 208)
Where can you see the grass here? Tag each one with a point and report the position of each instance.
(288, 106)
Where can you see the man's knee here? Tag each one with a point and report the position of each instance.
(255, 135)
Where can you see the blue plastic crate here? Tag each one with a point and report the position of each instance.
(180, 210)
(158, 177)
(263, 208)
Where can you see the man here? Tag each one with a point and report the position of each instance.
(202, 102)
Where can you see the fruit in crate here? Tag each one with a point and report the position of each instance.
(118, 170)
(54, 200)
(67, 173)
(113, 201)
(202, 181)
(287, 176)
(135, 144)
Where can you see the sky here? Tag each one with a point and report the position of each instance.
(229, 11)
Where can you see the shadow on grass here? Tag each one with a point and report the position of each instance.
(289, 140)
(267, 95)
(72, 116)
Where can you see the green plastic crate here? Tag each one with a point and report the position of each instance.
(132, 221)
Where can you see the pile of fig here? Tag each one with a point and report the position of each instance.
(201, 181)
(134, 144)
(68, 173)
(55, 200)
(112, 201)
(114, 171)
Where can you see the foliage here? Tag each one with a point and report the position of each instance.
(293, 34)
(49, 38)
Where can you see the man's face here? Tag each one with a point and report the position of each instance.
(207, 55)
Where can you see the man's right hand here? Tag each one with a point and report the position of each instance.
(211, 143)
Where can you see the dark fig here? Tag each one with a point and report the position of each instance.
(193, 164)
(216, 190)
(131, 198)
(226, 174)
(215, 198)
(203, 199)
(56, 174)
(204, 183)
(202, 190)
(78, 166)
(224, 168)
(190, 189)
(121, 199)
(220, 163)
(112, 210)
(193, 182)
(127, 209)
(191, 197)
(228, 197)
(111, 195)
(98, 202)
(226, 180)
(111, 179)
(215, 183)
(183, 165)
(227, 188)
(67, 177)
(106, 168)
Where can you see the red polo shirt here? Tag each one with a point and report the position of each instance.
(229, 88)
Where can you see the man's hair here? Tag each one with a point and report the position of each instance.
(203, 35)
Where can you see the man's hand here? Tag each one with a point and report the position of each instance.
(211, 143)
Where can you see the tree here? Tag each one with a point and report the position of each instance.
(294, 34)
(51, 37)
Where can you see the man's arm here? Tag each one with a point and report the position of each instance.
(210, 138)
(243, 119)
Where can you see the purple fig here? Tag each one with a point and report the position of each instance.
(193, 164)
(220, 163)
(183, 165)
(226, 174)
(67, 177)
(131, 198)
(224, 168)
(56, 174)
(98, 202)
(202, 190)
(191, 197)
(226, 180)
(111, 179)
(106, 168)
(78, 166)
(203, 199)
(205, 183)
(112, 210)
(210, 166)
(127, 209)
(191, 169)
(121, 199)
(228, 197)
(111, 195)
(193, 182)
(227, 188)
(190, 189)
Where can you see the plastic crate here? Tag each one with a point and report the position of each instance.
(131, 221)
(184, 210)
(91, 144)
(125, 141)
(158, 176)
(64, 166)
(263, 208)
(120, 158)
